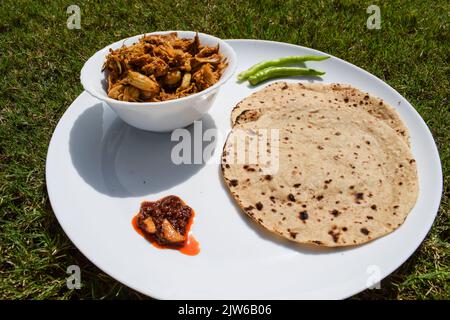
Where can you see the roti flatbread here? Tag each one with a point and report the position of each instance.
(343, 176)
(317, 94)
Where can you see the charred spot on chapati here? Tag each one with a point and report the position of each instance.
(233, 183)
(335, 212)
(303, 215)
(364, 231)
(335, 235)
(359, 196)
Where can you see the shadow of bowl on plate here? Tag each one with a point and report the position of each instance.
(265, 234)
(121, 161)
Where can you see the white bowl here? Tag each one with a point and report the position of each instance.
(157, 116)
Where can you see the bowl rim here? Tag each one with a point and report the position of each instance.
(231, 59)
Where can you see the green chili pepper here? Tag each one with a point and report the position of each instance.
(275, 72)
(277, 63)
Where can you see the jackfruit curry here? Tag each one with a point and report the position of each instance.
(162, 67)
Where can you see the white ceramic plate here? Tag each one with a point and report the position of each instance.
(99, 170)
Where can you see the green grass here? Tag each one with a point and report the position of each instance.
(40, 60)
